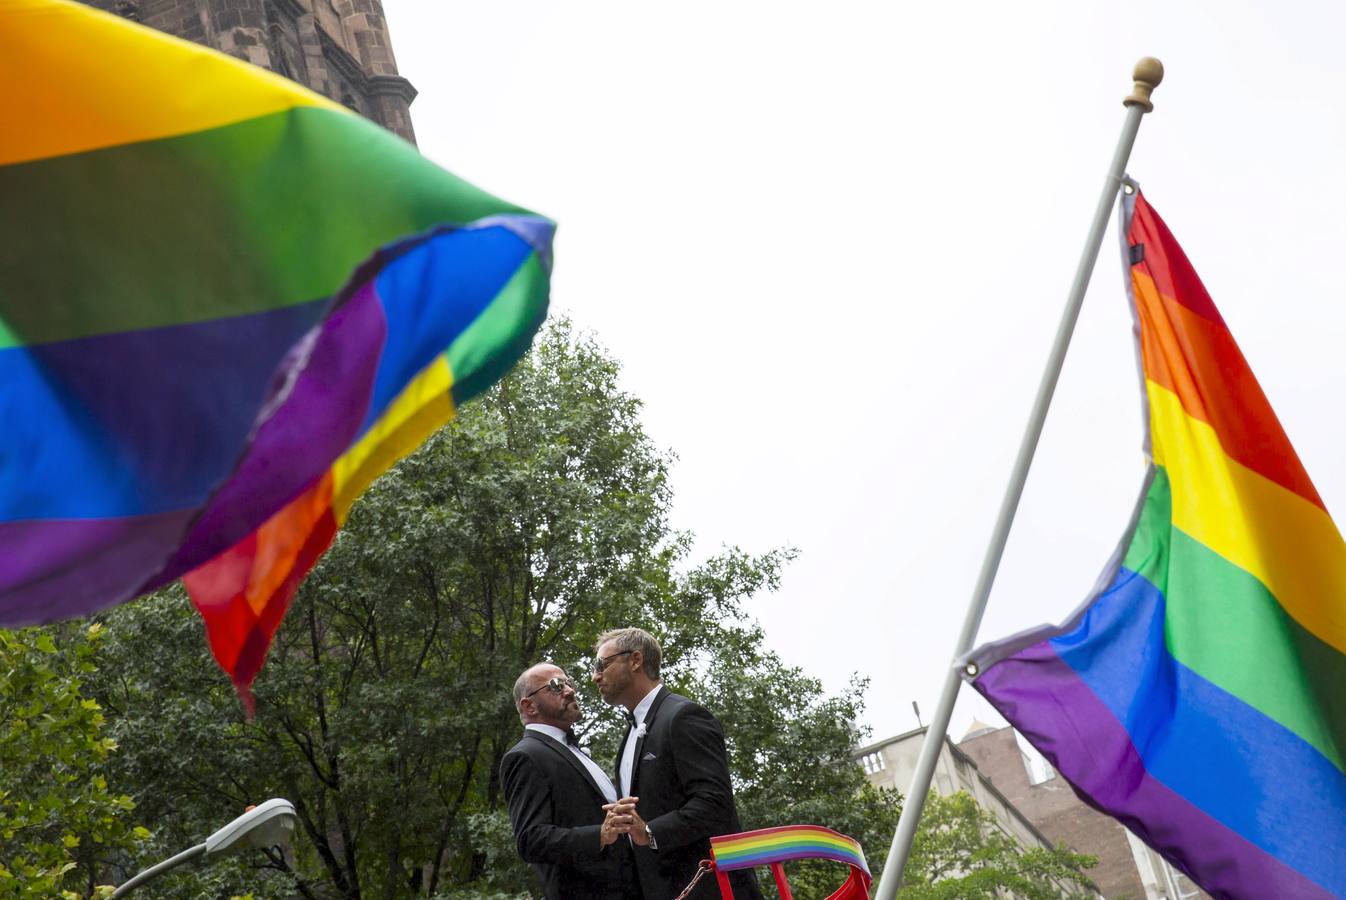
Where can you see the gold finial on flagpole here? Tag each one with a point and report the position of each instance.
(1148, 73)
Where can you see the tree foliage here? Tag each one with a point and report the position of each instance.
(535, 521)
(61, 825)
(961, 853)
(791, 755)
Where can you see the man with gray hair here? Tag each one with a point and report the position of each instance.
(672, 771)
(557, 796)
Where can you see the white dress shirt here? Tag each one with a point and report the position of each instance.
(600, 777)
(629, 751)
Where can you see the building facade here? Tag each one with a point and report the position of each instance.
(339, 48)
(891, 763)
(1034, 805)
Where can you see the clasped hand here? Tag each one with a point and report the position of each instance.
(622, 818)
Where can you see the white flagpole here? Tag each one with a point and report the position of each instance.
(1148, 73)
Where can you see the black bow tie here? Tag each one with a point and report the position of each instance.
(571, 739)
(630, 718)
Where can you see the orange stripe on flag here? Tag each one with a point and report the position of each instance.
(1197, 359)
(271, 562)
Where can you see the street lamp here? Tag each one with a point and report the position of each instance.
(261, 826)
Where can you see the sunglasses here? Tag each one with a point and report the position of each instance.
(555, 685)
(602, 662)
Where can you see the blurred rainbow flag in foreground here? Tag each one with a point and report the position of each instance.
(1199, 696)
(226, 305)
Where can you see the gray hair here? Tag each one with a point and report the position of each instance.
(635, 639)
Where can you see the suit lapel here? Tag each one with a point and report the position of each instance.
(640, 741)
(557, 747)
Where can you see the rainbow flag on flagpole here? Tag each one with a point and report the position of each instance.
(1199, 695)
(226, 305)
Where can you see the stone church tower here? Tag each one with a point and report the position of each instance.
(339, 48)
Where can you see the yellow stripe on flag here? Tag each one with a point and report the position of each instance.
(69, 90)
(1289, 544)
(423, 406)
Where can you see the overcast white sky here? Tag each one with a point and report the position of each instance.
(831, 242)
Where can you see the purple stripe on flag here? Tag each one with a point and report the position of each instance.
(72, 567)
(766, 857)
(311, 416)
(1062, 717)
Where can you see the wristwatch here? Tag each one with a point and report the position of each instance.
(654, 845)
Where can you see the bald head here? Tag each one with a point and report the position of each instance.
(536, 698)
(530, 678)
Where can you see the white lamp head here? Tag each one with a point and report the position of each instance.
(264, 825)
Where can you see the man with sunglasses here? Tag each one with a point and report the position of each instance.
(672, 772)
(556, 796)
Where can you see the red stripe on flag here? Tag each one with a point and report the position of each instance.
(243, 593)
(1169, 266)
(1197, 359)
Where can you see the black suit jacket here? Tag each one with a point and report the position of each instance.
(556, 810)
(680, 773)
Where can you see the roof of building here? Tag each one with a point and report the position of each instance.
(977, 729)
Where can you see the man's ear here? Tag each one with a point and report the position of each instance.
(637, 661)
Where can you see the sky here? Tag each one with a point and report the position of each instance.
(830, 244)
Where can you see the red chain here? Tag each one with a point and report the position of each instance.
(701, 870)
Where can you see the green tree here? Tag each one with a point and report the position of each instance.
(61, 826)
(961, 853)
(535, 521)
(790, 751)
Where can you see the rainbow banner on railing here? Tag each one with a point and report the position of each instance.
(773, 845)
(226, 304)
(1199, 696)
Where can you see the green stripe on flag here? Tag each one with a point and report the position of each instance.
(1223, 624)
(129, 237)
(501, 334)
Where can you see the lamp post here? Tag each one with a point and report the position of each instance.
(262, 826)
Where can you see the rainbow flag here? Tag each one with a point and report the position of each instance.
(1199, 695)
(773, 845)
(226, 305)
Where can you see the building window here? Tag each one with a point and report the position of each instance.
(1035, 764)
(872, 762)
(1039, 770)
